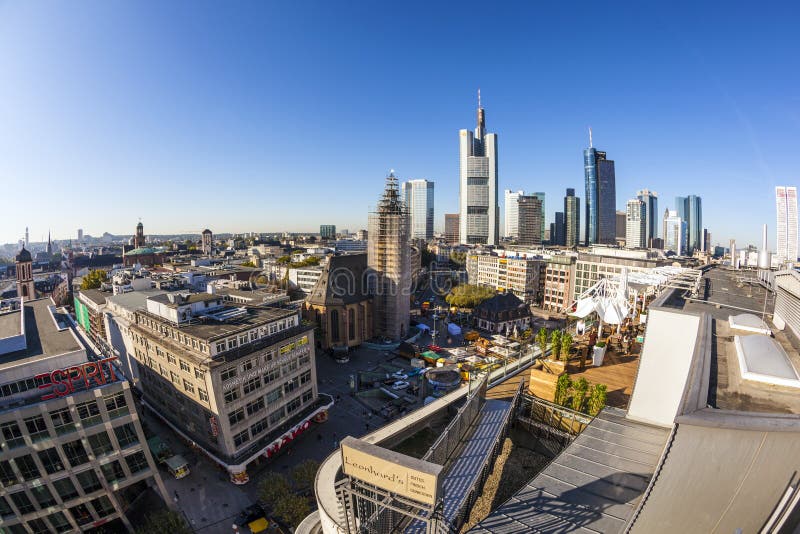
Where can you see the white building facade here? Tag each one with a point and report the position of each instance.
(636, 224)
(418, 196)
(786, 205)
(511, 223)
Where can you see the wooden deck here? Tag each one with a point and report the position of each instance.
(618, 372)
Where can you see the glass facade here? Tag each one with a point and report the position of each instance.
(418, 196)
(601, 198)
(590, 176)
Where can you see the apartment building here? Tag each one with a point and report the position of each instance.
(522, 276)
(559, 282)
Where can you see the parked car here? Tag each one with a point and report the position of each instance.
(400, 375)
(400, 384)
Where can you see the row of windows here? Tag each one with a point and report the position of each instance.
(175, 335)
(251, 363)
(253, 335)
(273, 419)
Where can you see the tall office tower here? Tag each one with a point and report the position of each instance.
(572, 219)
(27, 238)
(601, 196)
(80, 235)
(530, 220)
(558, 232)
(674, 232)
(707, 241)
(540, 196)
(478, 207)
(418, 197)
(694, 223)
(636, 224)
(620, 225)
(511, 213)
(388, 257)
(451, 226)
(327, 231)
(650, 199)
(786, 204)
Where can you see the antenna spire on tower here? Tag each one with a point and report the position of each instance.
(590, 137)
(479, 98)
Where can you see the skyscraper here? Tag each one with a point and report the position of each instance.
(451, 227)
(572, 219)
(558, 232)
(327, 231)
(388, 258)
(690, 210)
(530, 220)
(786, 204)
(601, 196)
(650, 199)
(540, 196)
(478, 206)
(620, 225)
(674, 232)
(636, 224)
(418, 197)
(511, 225)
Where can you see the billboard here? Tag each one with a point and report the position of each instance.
(404, 475)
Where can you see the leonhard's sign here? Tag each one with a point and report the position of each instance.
(62, 382)
(404, 475)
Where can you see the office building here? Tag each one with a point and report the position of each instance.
(541, 196)
(238, 381)
(559, 283)
(74, 454)
(558, 230)
(388, 256)
(327, 231)
(650, 199)
(80, 235)
(620, 225)
(478, 206)
(636, 224)
(418, 198)
(707, 241)
(572, 219)
(522, 276)
(674, 233)
(530, 221)
(451, 227)
(786, 207)
(511, 227)
(600, 197)
(361, 235)
(690, 210)
(304, 278)
(603, 262)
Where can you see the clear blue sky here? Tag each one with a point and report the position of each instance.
(266, 116)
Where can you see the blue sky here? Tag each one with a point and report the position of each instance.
(268, 116)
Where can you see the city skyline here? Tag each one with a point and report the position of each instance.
(229, 128)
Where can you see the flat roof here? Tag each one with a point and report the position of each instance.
(95, 295)
(43, 337)
(135, 300)
(10, 324)
(185, 298)
(210, 329)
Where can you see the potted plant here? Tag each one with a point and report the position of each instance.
(555, 345)
(543, 380)
(566, 346)
(598, 353)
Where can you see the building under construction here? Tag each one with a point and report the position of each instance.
(388, 258)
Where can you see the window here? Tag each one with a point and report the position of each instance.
(37, 428)
(308, 395)
(243, 339)
(259, 427)
(12, 435)
(304, 360)
(231, 343)
(103, 506)
(43, 496)
(289, 367)
(89, 413)
(59, 522)
(241, 437)
(126, 435)
(274, 395)
(89, 481)
(291, 385)
(171, 358)
(188, 386)
(62, 421)
(136, 462)
(269, 356)
(65, 488)
(27, 467)
(174, 377)
(272, 375)
(7, 476)
(253, 335)
(231, 395)
(199, 374)
(255, 406)
(276, 416)
(75, 453)
(38, 526)
(112, 471)
(185, 367)
(247, 365)
(100, 444)
(236, 416)
(81, 514)
(116, 405)
(24, 504)
(293, 405)
(227, 374)
(220, 347)
(252, 385)
(202, 394)
(5, 508)
(305, 378)
(51, 460)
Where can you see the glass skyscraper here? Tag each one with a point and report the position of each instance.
(690, 210)
(650, 199)
(572, 219)
(418, 197)
(601, 197)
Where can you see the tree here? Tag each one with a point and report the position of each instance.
(458, 258)
(563, 385)
(164, 522)
(94, 279)
(469, 295)
(555, 343)
(292, 509)
(274, 488)
(304, 474)
(541, 340)
(566, 345)
(597, 399)
(248, 264)
(579, 394)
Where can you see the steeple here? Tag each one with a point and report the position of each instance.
(49, 244)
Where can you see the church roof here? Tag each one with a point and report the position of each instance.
(23, 255)
(343, 281)
(141, 251)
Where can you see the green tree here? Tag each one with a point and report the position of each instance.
(292, 509)
(597, 399)
(164, 522)
(469, 295)
(555, 343)
(304, 473)
(94, 279)
(566, 346)
(541, 340)
(459, 259)
(579, 390)
(563, 386)
(248, 264)
(274, 487)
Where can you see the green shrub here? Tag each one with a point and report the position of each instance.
(579, 390)
(597, 399)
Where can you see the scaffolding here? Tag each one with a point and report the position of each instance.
(388, 259)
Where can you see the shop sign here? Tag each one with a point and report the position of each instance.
(63, 382)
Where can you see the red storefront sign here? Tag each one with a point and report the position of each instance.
(62, 382)
(212, 421)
